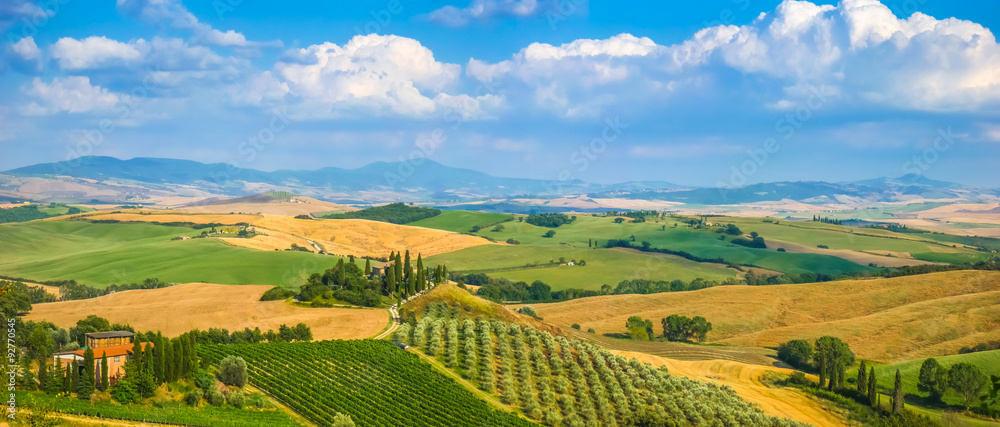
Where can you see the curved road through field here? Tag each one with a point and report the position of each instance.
(394, 315)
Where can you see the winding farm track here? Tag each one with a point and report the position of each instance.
(394, 315)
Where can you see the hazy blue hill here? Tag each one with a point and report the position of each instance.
(430, 180)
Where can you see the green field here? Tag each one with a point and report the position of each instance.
(460, 221)
(921, 246)
(987, 361)
(573, 242)
(102, 254)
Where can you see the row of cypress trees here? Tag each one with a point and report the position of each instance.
(868, 386)
(166, 360)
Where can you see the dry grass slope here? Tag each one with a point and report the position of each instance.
(882, 319)
(746, 380)
(341, 237)
(181, 308)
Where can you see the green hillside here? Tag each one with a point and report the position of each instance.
(987, 361)
(102, 254)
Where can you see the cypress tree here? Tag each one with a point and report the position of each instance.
(444, 273)
(407, 268)
(168, 360)
(863, 379)
(67, 378)
(182, 357)
(872, 388)
(104, 371)
(399, 270)
(897, 396)
(74, 378)
(823, 370)
(135, 361)
(178, 359)
(160, 350)
(410, 285)
(390, 280)
(193, 354)
(368, 267)
(43, 374)
(420, 273)
(86, 387)
(53, 381)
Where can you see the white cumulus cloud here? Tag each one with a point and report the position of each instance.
(72, 94)
(374, 72)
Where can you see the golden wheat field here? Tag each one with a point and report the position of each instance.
(882, 319)
(344, 237)
(746, 380)
(181, 308)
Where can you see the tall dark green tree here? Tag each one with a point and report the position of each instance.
(54, 382)
(407, 268)
(168, 360)
(368, 267)
(390, 281)
(897, 394)
(43, 374)
(399, 271)
(832, 356)
(67, 379)
(872, 388)
(193, 354)
(104, 371)
(420, 273)
(74, 378)
(863, 378)
(177, 362)
(86, 387)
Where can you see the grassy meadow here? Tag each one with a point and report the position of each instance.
(102, 254)
(585, 239)
(988, 363)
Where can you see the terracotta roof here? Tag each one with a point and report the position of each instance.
(112, 351)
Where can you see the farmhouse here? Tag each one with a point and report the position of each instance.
(117, 345)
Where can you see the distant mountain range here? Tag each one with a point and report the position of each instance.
(433, 182)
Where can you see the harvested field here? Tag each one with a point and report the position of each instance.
(181, 308)
(746, 380)
(882, 319)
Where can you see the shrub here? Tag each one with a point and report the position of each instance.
(511, 241)
(527, 310)
(781, 250)
(125, 392)
(796, 353)
(342, 420)
(193, 397)
(576, 326)
(823, 246)
(204, 380)
(591, 330)
(549, 233)
(798, 378)
(233, 371)
(214, 397)
(236, 399)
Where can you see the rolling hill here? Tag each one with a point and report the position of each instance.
(882, 319)
(432, 181)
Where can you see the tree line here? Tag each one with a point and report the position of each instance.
(675, 328)
(550, 220)
(395, 213)
(365, 286)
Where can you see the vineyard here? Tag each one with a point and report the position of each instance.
(374, 382)
(572, 383)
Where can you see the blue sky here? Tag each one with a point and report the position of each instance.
(714, 93)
